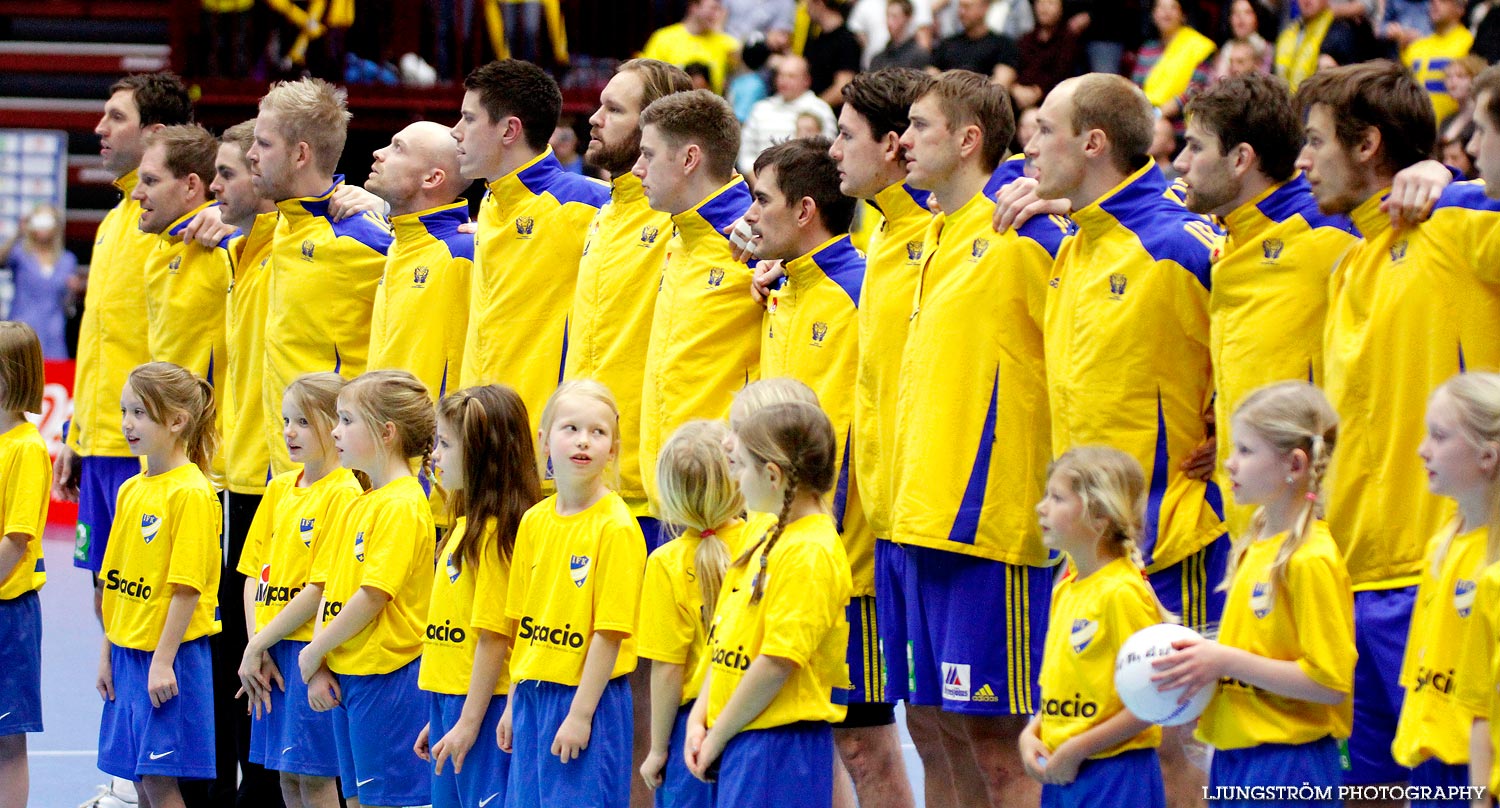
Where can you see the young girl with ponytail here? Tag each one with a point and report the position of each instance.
(1283, 665)
(776, 678)
(683, 578)
(1092, 510)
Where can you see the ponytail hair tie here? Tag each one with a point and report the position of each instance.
(1312, 496)
(706, 533)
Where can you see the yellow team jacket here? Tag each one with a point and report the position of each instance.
(532, 226)
(891, 272)
(610, 327)
(812, 335)
(323, 277)
(1428, 59)
(247, 466)
(112, 337)
(1128, 351)
(1408, 309)
(972, 437)
(705, 334)
(1267, 306)
(422, 302)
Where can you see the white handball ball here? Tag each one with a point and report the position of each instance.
(1133, 673)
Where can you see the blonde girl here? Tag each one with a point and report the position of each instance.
(160, 580)
(1283, 665)
(776, 679)
(683, 577)
(377, 574)
(1084, 742)
(488, 463)
(25, 478)
(574, 589)
(288, 532)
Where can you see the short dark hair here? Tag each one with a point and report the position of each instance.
(159, 97)
(512, 87)
(1379, 94)
(1488, 81)
(240, 136)
(884, 97)
(699, 117)
(967, 98)
(190, 149)
(1254, 109)
(805, 169)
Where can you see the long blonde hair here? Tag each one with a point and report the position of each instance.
(23, 372)
(762, 393)
(1112, 487)
(1291, 416)
(396, 397)
(1476, 401)
(697, 490)
(593, 391)
(165, 389)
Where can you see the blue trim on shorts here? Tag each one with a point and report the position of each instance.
(599, 778)
(21, 675)
(293, 737)
(1382, 618)
(486, 768)
(1130, 778)
(1190, 588)
(679, 788)
(1314, 764)
(375, 726)
(99, 481)
(173, 740)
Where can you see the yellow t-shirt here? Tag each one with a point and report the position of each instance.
(671, 625)
(383, 539)
(1268, 303)
(1434, 721)
(165, 534)
(1298, 47)
(286, 535)
(112, 334)
(26, 471)
(573, 576)
(1091, 618)
(800, 617)
(705, 332)
(1478, 694)
(247, 465)
(811, 334)
(1128, 351)
(676, 45)
(891, 272)
(610, 327)
(422, 302)
(1429, 57)
(464, 598)
(322, 293)
(1308, 619)
(532, 225)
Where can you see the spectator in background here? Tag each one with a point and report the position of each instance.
(904, 47)
(833, 54)
(1405, 22)
(1012, 18)
(1173, 67)
(1301, 42)
(564, 143)
(1049, 53)
(771, 20)
(751, 84)
(1428, 58)
(1351, 38)
(977, 48)
(872, 22)
(700, 75)
(774, 119)
(1164, 146)
(1486, 27)
(44, 273)
(226, 31)
(1107, 28)
(1459, 79)
(809, 126)
(1453, 151)
(1244, 33)
(1026, 126)
(696, 39)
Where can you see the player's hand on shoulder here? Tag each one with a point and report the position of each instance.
(351, 200)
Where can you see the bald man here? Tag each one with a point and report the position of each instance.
(422, 302)
(774, 119)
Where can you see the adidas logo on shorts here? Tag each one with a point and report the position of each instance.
(985, 694)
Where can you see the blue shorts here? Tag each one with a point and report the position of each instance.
(173, 740)
(21, 675)
(788, 767)
(1314, 764)
(651, 528)
(1190, 588)
(99, 481)
(960, 632)
(482, 782)
(375, 726)
(1382, 618)
(867, 704)
(1130, 778)
(599, 778)
(1434, 773)
(293, 738)
(679, 788)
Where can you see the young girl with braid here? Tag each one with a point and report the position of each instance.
(1283, 665)
(777, 681)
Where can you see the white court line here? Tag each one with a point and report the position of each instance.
(61, 753)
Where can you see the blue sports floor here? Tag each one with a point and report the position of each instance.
(63, 770)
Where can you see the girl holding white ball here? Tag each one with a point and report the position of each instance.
(1084, 743)
(1283, 665)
